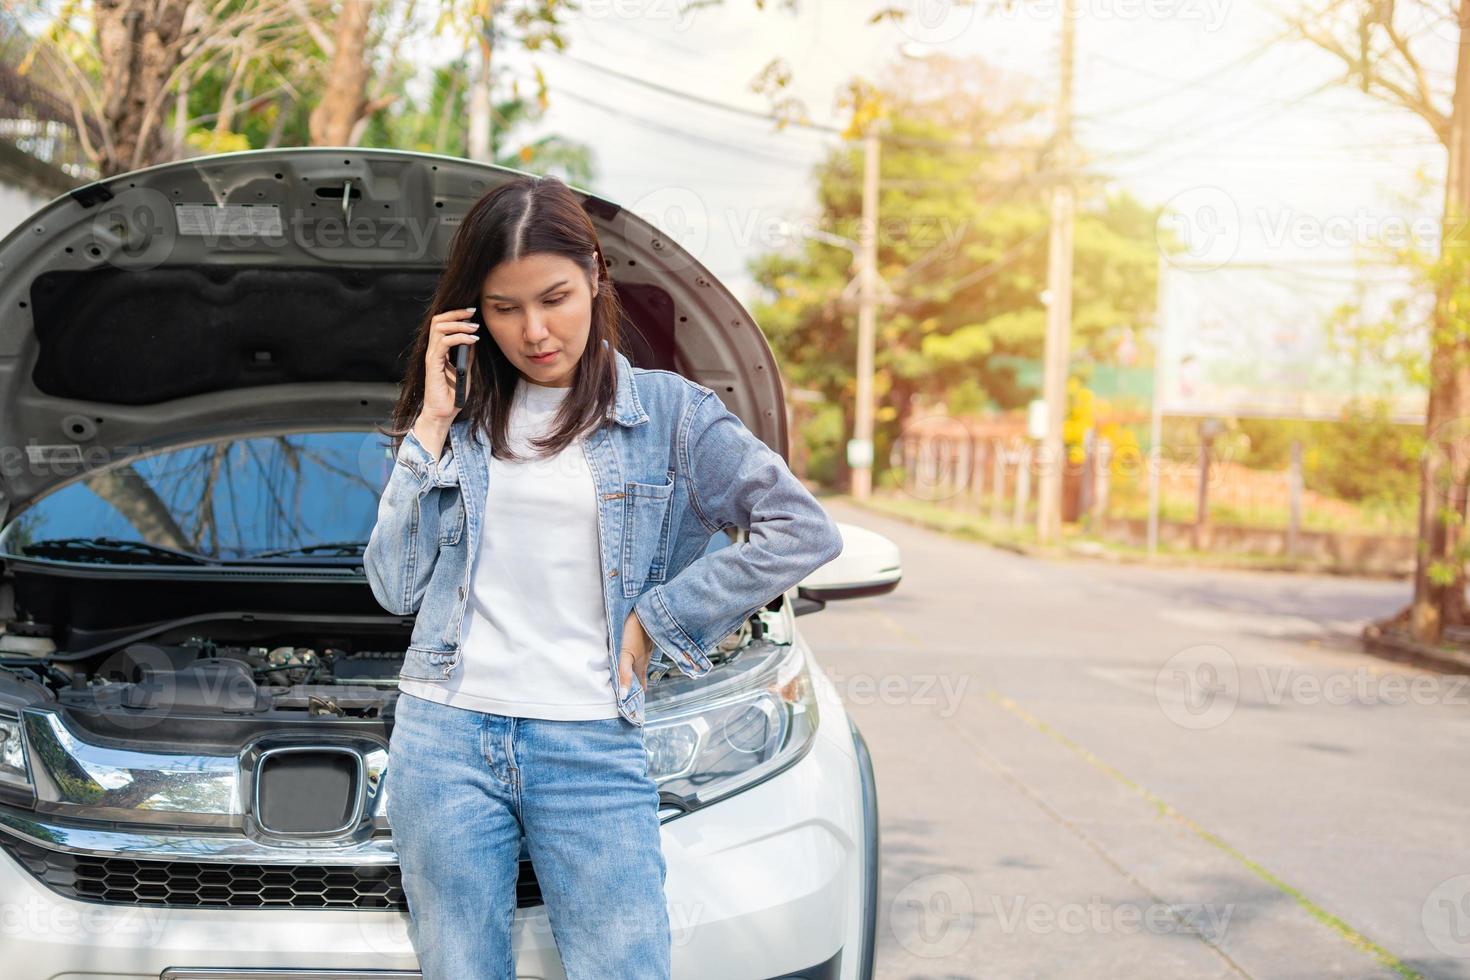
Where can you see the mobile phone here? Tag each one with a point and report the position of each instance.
(461, 371)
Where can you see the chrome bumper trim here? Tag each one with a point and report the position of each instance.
(225, 848)
(217, 973)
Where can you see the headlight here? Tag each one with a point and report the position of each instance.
(760, 716)
(13, 769)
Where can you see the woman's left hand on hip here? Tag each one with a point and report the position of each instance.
(637, 649)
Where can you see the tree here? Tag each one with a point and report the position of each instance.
(440, 126)
(121, 62)
(962, 243)
(345, 105)
(1380, 46)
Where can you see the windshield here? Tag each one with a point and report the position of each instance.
(306, 496)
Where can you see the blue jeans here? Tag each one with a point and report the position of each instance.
(464, 786)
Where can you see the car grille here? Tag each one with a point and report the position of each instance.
(204, 884)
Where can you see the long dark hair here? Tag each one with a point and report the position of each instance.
(523, 216)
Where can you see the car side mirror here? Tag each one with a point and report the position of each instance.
(869, 565)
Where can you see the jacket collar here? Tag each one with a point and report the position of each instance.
(627, 409)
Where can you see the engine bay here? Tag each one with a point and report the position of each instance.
(201, 672)
(198, 674)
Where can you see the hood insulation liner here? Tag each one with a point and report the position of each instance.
(126, 337)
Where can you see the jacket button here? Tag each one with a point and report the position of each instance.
(612, 573)
(461, 591)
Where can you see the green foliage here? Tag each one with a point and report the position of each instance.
(962, 241)
(1441, 573)
(275, 92)
(442, 126)
(825, 439)
(217, 141)
(281, 79)
(1364, 457)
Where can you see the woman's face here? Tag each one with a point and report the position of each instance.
(539, 303)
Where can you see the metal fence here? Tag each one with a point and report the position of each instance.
(43, 125)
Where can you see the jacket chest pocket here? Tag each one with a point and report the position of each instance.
(451, 516)
(647, 511)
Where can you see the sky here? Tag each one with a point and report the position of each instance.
(1262, 161)
(1188, 103)
(1201, 106)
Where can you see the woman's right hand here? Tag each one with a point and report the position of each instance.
(446, 331)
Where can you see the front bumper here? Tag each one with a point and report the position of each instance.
(790, 861)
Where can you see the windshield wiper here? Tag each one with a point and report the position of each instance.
(113, 551)
(337, 549)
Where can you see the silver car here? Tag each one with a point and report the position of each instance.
(196, 684)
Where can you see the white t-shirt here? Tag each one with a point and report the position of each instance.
(535, 630)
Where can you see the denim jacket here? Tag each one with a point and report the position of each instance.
(672, 466)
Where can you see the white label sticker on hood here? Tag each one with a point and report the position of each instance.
(229, 219)
(63, 453)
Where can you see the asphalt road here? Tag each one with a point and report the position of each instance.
(1089, 769)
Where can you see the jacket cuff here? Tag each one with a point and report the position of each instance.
(669, 636)
(431, 472)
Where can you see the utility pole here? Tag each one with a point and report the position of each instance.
(1059, 309)
(860, 449)
(481, 107)
(1162, 362)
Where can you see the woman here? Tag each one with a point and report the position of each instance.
(579, 534)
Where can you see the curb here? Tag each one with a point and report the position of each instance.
(1395, 646)
(1098, 552)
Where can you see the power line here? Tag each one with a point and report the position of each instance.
(1408, 144)
(1249, 117)
(1177, 85)
(825, 128)
(684, 134)
(697, 99)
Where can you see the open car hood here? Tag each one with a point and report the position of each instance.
(278, 290)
